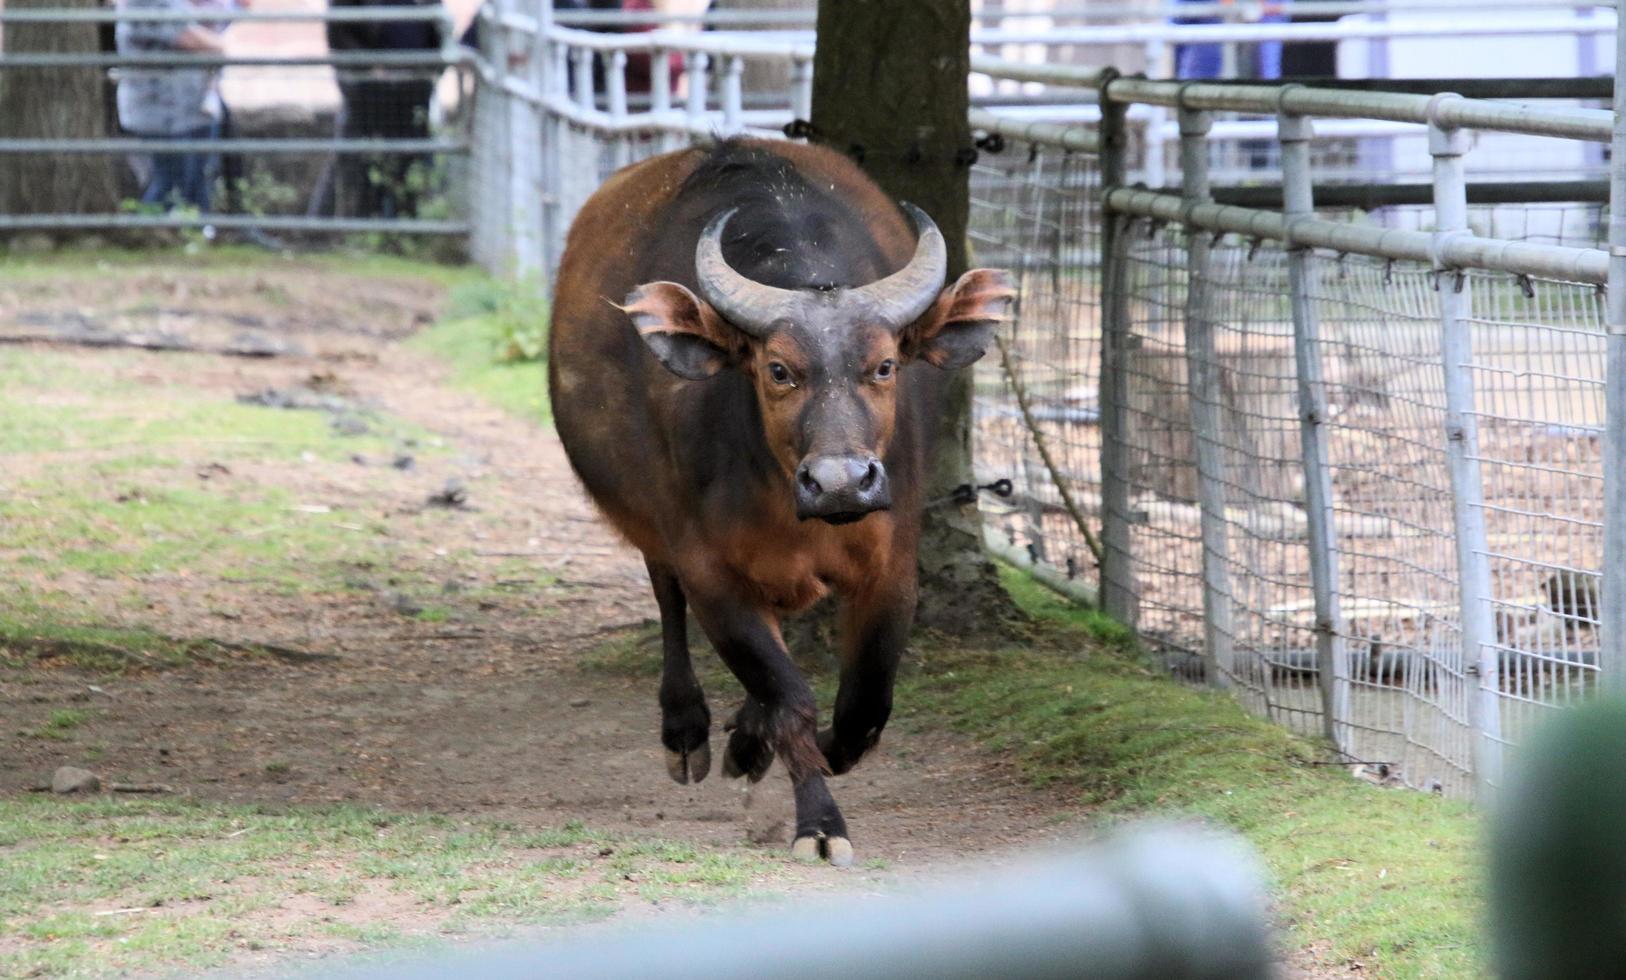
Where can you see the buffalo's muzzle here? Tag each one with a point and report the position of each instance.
(841, 489)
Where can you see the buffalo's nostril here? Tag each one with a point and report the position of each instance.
(804, 476)
(870, 475)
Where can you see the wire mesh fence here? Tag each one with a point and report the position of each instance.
(1037, 406)
(1537, 373)
(1539, 368)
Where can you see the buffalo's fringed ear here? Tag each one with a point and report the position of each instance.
(685, 334)
(960, 326)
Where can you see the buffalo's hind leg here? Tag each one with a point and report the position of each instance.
(685, 719)
(782, 711)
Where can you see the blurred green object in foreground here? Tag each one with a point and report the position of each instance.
(1558, 852)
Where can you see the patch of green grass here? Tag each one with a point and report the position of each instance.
(30, 634)
(371, 934)
(178, 529)
(1390, 878)
(224, 260)
(209, 879)
(486, 324)
(105, 487)
(633, 653)
(61, 724)
(433, 614)
(50, 402)
(513, 309)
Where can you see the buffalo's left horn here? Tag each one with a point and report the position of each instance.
(749, 305)
(900, 299)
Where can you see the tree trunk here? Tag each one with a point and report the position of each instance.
(889, 87)
(55, 103)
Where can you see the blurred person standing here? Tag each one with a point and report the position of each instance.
(382, 103)
(168, 103)
(1261, 60)
(227, 166)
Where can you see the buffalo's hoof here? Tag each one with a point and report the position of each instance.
(842, 758)
(810, 850)
(747, 755)
(689, 766)
(835, 756)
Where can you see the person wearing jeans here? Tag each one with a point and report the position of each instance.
(181, 178)
(170, 103)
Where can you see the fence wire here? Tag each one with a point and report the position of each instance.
(1037, 408)
(1537, 369)
(1239, 609)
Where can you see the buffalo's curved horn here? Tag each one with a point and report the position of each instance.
(900, 299)
(749, 305)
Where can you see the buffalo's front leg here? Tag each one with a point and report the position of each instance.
(750, 743)
(685, 719)
(786, 714)
(874, 630)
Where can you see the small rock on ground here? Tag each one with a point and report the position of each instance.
(72, 779)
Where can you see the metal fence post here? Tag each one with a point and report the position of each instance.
(801, 88)
(495, 148)
(527, 212)
(698, 65)
(541, 81)
(581, 72)
(733, 94)
(660, 96)
(1204, 397)
(1479, 645)
(556, 132)
(1155, 172)
(547, 59)
(1119, 596)
(616, 79)
(524, 156)
(1298, 199)
(1612, 628)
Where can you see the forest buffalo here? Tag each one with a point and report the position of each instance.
(748, 356)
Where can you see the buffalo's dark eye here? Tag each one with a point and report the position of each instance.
(886, 369)
(779, 373)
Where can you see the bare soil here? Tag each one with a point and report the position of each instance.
(489, 710)
(527, 694)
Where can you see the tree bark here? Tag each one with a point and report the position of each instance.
(55, 103)
(889, 88)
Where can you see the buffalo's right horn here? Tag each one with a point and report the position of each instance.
(749, 305)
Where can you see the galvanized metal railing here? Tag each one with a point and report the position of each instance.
(547, 69)
(283, 175)
(1375, 511)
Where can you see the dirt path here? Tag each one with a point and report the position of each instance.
(468, 673)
